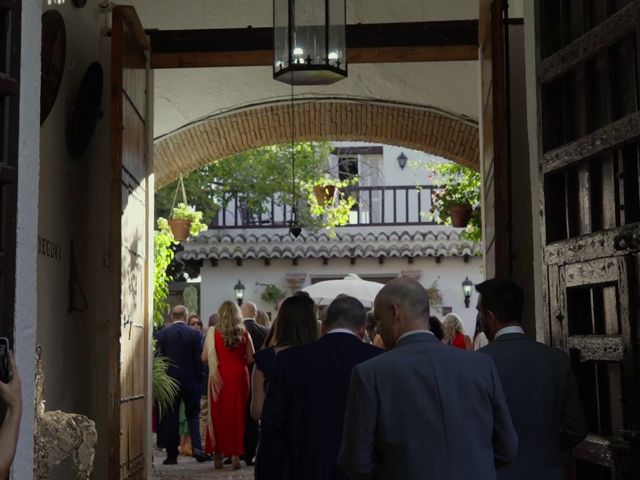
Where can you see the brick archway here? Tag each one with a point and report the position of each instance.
(420, 128)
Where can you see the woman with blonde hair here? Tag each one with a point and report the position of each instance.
(454, 332)
(228, 350)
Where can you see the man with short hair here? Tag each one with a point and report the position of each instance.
(538, 383)
(423, 409)
(182, 345)
(302, 417)
(258, 333)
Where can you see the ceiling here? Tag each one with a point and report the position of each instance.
(183, 96)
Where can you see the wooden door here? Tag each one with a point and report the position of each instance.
(589, 135)
(494, 138)
(130, 247)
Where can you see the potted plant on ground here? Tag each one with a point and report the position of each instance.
(185, 221)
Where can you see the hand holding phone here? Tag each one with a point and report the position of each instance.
(10, 387)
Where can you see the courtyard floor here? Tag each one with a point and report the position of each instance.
(188, 469)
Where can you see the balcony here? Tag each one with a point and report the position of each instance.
(376, 206)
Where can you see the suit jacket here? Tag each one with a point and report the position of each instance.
(426, 411)
(545, 406)
(302, 417)
(183, 346)
(257, 332)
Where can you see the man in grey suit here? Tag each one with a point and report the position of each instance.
(538, 383)
(423, 410)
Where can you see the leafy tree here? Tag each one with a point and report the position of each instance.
(255, 177)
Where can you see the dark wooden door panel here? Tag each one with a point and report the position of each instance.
(590, 144)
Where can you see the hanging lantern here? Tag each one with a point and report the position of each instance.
(309, 41)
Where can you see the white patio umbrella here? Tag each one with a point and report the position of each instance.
(325, 292)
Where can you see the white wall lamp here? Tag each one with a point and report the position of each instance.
(402, 160)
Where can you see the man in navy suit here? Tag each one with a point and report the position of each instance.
(301, 424)
(538, 383)
(423, 410)
(182, 345)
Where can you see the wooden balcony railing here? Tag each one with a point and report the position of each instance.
(375, 206)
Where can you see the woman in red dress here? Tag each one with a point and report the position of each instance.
(454, 332)
(228, 350)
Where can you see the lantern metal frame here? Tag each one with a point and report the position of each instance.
(239, 289)
(300, 71)
(467, 290)
(402, 160)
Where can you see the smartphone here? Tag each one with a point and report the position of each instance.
(5, 372)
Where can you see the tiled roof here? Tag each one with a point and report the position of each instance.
(221, 246)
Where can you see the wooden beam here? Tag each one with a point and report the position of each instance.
(368, 43)
(585, 47)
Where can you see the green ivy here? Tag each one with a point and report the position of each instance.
(163, 256)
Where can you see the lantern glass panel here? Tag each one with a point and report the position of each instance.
(337, 41)
(281, 34)
(309, 32)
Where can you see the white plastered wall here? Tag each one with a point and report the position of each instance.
(27, 222)
(217, 282)
(74, 205)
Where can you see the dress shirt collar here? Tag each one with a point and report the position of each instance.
(413, 332)
(509, 329)
(342, 330)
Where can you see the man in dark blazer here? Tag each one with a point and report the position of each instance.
(182, 345)
(302, 417)
(423, 410)
(538, 383)
(258, 333)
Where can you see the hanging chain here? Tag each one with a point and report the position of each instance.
(293, 156)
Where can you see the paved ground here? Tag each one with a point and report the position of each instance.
(189, 469)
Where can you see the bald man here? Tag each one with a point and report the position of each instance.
(423, 410)
(258, 333)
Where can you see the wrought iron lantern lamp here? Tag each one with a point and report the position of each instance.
(402, 160)
(239, 291)
(309, 41)
(467, 288)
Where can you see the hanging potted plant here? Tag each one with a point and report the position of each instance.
(324, 193)
(325, 188)
(459, 196)
(451, 203)
(185, 221)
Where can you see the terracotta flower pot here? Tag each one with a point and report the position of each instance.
(460, 215)
(180, 228)
(324, 193)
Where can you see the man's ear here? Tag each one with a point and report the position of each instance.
(395, 311)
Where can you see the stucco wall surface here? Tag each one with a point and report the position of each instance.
(74, 207)
(217, 282)
(27, 234)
